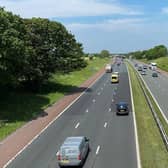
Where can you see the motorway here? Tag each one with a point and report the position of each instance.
(112, 138)
(158, 87)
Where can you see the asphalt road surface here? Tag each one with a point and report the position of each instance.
(158, 87)
(112, 138)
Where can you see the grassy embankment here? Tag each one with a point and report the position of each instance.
(152, 149)
(18, 107)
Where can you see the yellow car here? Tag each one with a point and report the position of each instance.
(114, 78)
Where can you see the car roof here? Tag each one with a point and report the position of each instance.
(114, 74)
(122, 103)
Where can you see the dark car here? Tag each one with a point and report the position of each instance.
(122, 108)
(145, 67)
(154, 74)
(136, 65)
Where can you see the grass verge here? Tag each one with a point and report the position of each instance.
(18, 107)
(152, 149)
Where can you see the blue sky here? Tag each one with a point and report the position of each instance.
(115, 25)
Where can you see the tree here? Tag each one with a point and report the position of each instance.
(12, 47)
(32, 49)
(104, 53)
(50, 49)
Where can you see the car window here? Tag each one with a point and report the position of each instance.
(69, 151)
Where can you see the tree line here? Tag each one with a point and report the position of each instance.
(32, 49)
(153, 53)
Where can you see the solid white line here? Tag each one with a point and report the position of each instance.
(109, 109)
(92, 84)
(135, 125)
(97, 150)
(77, 125)
(105, 125)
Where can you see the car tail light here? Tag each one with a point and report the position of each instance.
(58, 156)
(79, 157)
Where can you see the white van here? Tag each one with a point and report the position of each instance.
(153, 66)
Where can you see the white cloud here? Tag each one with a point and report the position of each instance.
(111, 25)
(165, 10)
(66, 8)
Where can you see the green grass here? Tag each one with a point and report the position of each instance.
(152, 149)
(18, 107)
(162, 62)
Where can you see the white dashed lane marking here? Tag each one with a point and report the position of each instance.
(97, 150)
(105, 124)
(77, 125)
(87, 110)
(94, 100)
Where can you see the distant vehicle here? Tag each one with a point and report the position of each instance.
(153, 66)
(73, 151)
(108, 68)
(136, 65)
(115, 72)
(145, 67)
(143, 72)
(122, 108)
(114, 78)
(154, 74)
(140, 68)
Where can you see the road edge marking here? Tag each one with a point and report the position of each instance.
(51, 122)
(135, 125)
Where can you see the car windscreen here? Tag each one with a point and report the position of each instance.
(69, 151)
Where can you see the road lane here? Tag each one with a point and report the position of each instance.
(158, 87)
(117, 138)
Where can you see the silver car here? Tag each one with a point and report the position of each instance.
(73, 151)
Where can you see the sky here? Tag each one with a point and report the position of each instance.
(119, 26)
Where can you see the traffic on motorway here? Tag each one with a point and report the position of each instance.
(95, 131)
(157, 83)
